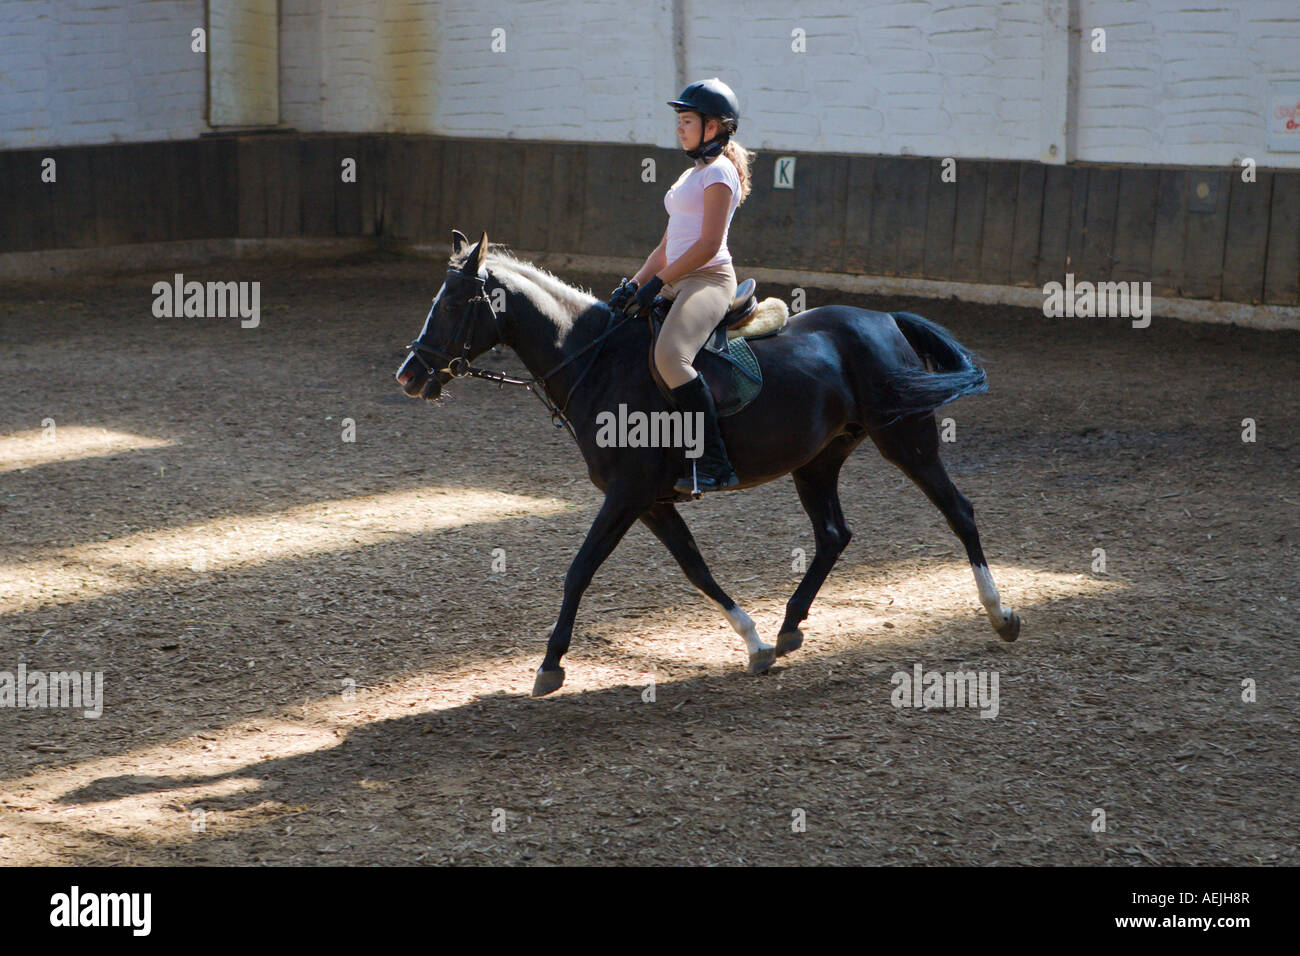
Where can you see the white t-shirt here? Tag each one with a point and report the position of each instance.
(685, 204)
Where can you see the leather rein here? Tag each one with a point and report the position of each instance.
(460, 366)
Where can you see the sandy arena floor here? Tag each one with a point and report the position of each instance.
(308, 658)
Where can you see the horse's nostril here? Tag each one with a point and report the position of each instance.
(404, 378)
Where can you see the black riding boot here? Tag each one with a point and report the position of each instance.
(711, 471)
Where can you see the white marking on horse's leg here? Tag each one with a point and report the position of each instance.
(989, 595)
(743, 625)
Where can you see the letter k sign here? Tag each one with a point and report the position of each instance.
(784, 173)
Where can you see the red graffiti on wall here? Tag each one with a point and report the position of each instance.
(1289, 113)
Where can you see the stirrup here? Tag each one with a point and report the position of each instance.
(695, 491)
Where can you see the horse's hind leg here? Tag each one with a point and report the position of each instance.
(669, 528)
(818, 485)
(913, 445)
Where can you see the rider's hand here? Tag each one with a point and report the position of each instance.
(645, 296)
(620, 297)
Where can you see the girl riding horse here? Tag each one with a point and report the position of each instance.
(692, 265)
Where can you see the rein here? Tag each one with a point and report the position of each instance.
(459, 366)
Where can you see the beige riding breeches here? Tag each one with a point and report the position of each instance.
(700, 299)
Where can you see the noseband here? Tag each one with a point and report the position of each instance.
(459, 366)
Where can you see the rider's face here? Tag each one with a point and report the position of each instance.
(689, 129)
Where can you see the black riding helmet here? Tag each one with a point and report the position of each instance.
(710, 98)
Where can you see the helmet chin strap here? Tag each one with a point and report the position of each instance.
(710, 149)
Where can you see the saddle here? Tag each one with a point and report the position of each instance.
(726, 361)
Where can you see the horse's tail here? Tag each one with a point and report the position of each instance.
(950, 370)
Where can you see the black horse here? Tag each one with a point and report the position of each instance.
(834, 376)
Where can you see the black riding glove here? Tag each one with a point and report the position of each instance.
(645, 296)
(619, 298)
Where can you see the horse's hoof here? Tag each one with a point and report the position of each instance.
(1010, 628)
(788, 641)
(547, 682)
(762, 659)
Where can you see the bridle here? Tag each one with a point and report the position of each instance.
(459, 366)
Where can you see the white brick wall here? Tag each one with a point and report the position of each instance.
(1182, 82)
(243, 63)
(99, 71)
(572, 69)
(301, 71)
(917, 77)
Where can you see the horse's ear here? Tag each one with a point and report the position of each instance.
(474, 261)
(458, 241)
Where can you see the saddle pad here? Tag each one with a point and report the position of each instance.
(746, 377)
(768, 318)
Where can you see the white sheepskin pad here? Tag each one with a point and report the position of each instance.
(771, 315)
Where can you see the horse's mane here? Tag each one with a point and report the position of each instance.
(573, 300)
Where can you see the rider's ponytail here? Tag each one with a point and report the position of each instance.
(740, 158)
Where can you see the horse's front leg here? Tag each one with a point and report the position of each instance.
(619, 512)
